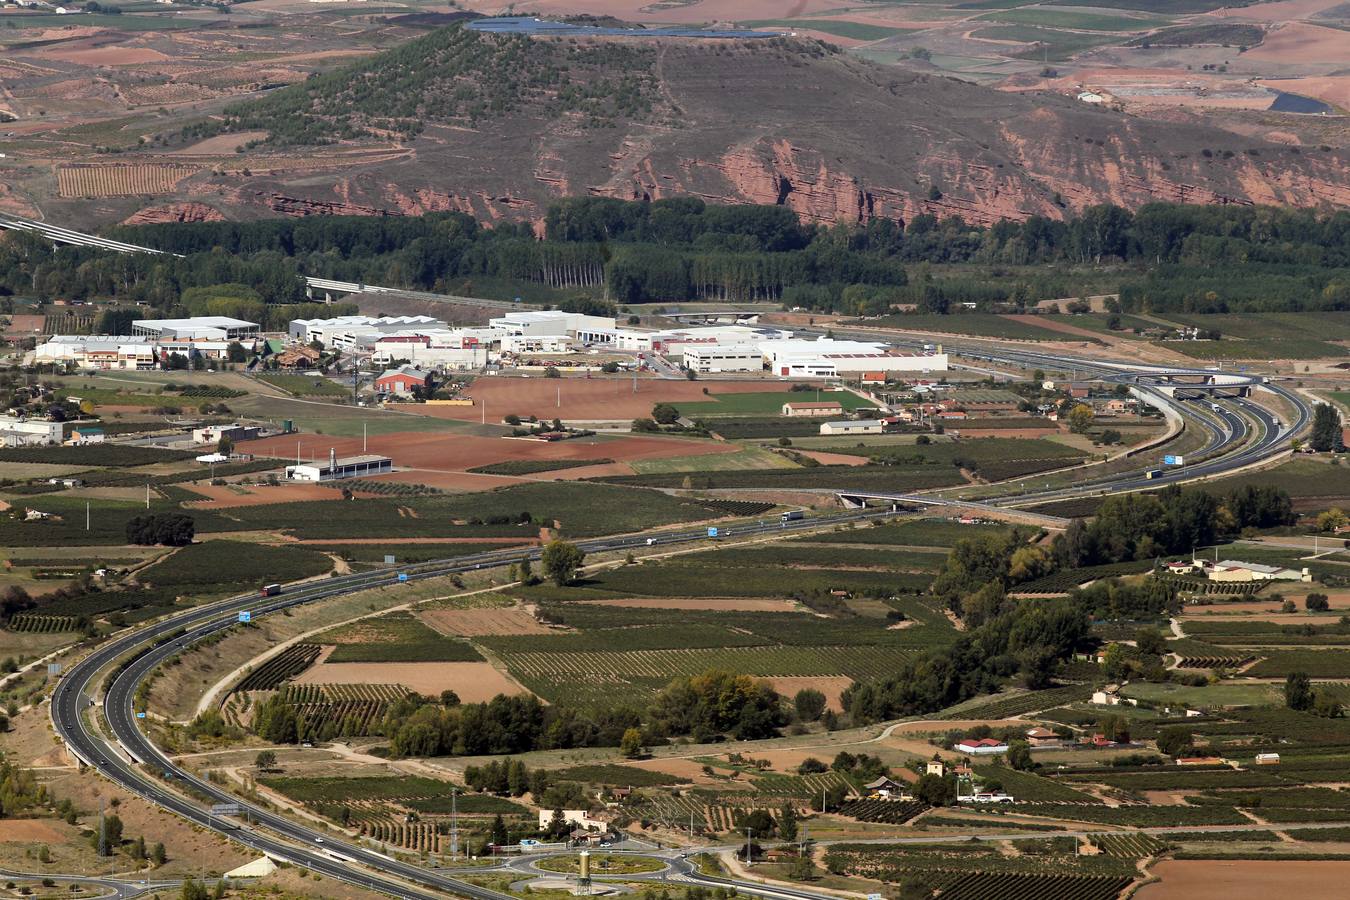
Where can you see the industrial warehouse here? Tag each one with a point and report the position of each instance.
(513, 340)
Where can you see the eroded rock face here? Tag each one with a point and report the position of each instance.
(175, 212)
(834, 140)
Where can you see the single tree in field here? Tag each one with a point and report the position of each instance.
(665, 414)
(1080, 418)
(787, 823)
(266, 759)
(1019, 756)
(561, 561)
(1298, 693)
(631, 743)
(809, 704)
(1326, 428)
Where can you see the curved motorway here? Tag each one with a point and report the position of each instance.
(141, 650)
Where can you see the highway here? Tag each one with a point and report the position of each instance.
(141, 650)
(1239, 433)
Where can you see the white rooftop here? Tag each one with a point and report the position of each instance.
(195, 322)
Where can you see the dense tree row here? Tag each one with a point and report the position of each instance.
(1142, 526)
(1029, 638)
(705, 706)
(1178, 257)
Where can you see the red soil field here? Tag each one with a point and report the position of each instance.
(1245, 879)
(1298, 43)
(218, 497)
(584, 399)
(475, 682)
(1277, 12)
(454, 453)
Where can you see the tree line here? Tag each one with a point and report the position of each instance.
(1162, 257)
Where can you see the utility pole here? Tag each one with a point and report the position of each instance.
(147, 486)
(749, 832)
(363, 437)
(454, 824)
(86, 515)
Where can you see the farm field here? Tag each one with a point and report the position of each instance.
(919, 533)
(972, 324)
(590, 399)
(474, 682)
(1244, 879)
(119, 181)
(440, 452)
(767, 403)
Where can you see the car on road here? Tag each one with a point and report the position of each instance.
(318, 840)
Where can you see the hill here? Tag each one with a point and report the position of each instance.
(499, 125)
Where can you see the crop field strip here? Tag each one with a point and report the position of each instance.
(915, 533)
(42, 623)
(394, 638)
(119, 180)
(887, 812)
(1019, 704)
(601, 676)
(345, 710)
(281, 668)
(999, 886)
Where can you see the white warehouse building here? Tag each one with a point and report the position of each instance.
(556, 323)
(829, 358)
(335, 469)
(199, 328)
(350, 328)
(711, 359)
(21, 432)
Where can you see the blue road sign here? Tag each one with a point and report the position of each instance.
(402, 576)
(140, 715)
(712, 532)
(246, 616)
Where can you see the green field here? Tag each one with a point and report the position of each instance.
(1049, 45)
(876, 478)
(306, 385)
(919, 533)
(1177, 7)
(1209, 695)
(121, 23)
(974, 324)
(745, 459)
(858, 31)
(1258, 348)
(214, 563)
(767, 403)
(394, 638)
(1300, 478)
(1073, 19)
